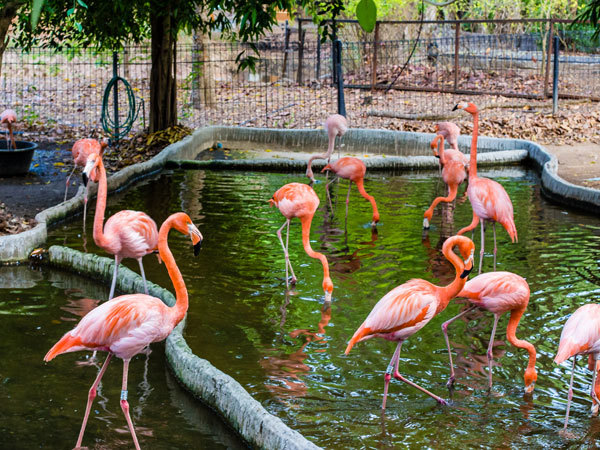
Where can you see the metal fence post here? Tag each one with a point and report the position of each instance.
(318, 67)
(340, 79)
(301, 34)
(374, 60)
(333, 55)
(286, 49)
(548, 53)
(116, 92)
(456, 54)
(555, 76)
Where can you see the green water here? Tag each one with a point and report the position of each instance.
(43, 403)
(289, 354)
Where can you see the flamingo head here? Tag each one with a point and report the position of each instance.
(466, 106)
(530, 379)
(182, 223)
(328, 288)
(466, 247)
(90, 171)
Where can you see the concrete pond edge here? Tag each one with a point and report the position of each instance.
(254, 424)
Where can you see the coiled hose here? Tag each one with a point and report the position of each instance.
(108, 123)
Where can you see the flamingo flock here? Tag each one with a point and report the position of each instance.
(124, 326)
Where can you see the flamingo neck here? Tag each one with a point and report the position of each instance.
(177, 312)
(473, 160)
(511, 329)
(440, 143)
(99, 237)
(361, 188)
(327, 284)
(447, 293)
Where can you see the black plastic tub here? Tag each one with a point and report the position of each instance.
(15, 162)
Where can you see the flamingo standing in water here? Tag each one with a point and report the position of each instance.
(127, 234)
(581, 336)
(353, 169)
(299, 200)
(488, 198)
(498, 292)
(453, 174)
(335, 125)
(126, 325)
(409, 307)
(9, 117)
(81, 150)
(450, 132)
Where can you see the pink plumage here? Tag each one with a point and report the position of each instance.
(9, 117)
(335, 125)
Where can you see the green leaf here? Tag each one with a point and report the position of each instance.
(78, 26)
(366, 13)
(70, 11)
(82, 4)
(35, 12)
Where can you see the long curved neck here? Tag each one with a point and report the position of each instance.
(99, 236)
(473, 160)
(440, 139)
(370, 198)
(322, 155)
(181, 304)
(306, 220)
(447, 293)
(511, 329)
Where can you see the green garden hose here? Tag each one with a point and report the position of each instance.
(108, 123)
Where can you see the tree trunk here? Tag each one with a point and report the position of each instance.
(7, 14)
(203, 83)
(163, 99)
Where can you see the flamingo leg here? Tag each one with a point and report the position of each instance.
(570, 395)
(287, 246)
(482, 244)
(125, 404)
(495, 248)
(288, 265)
(490, 355)
(91, 396)
(143, 275)
(388, 373)
(85, 202)
(114, 280)
(595, 403)
(348, 200)
(12, 138)
(328, 193)
(445, 330)
(67, 187)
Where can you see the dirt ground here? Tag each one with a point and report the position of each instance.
(578, 164)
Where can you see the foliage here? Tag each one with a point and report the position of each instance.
(591, 13)
(366, 13)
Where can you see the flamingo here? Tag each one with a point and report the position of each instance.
(81, 150)
(488, 198)
(126, 325)
(498, 292)
(335, 125)
(127, 234)
(299, 200)
(581, 336)
(9, 117)
(453, 174)
(409, 307)
(450, 132)
(353, 169)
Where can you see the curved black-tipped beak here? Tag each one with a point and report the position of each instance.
(466, 272)
(85, 179)
(437, 156)
(455, 107)
(197, 248)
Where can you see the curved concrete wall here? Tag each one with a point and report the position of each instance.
(222, 393)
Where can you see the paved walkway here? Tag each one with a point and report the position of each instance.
(579, 163)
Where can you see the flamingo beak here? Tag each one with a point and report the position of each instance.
(455, 107)
(327, 297)
(468, 266)
(86, 171)
(196, 236)
(529, 388)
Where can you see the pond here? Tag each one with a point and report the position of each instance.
(289, 353)
(43, 403)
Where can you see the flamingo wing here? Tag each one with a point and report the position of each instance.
(124, 326)
(136, 230)
(296, 200)
(497, 292)
(581, 333)
(400, 313)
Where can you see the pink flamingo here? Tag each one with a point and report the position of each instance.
(409, 307)
(127, 234)
(126, 325)
(353, 169)
(581, 336)
(498, 292)
(453, 174)
(488, 198)
(299, 200)
(81, 150)
(335, 125)
(9, 117)
(450, 132)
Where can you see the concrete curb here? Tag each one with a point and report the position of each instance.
(219, 391)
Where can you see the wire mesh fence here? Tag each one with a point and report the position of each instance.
(404, 69)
